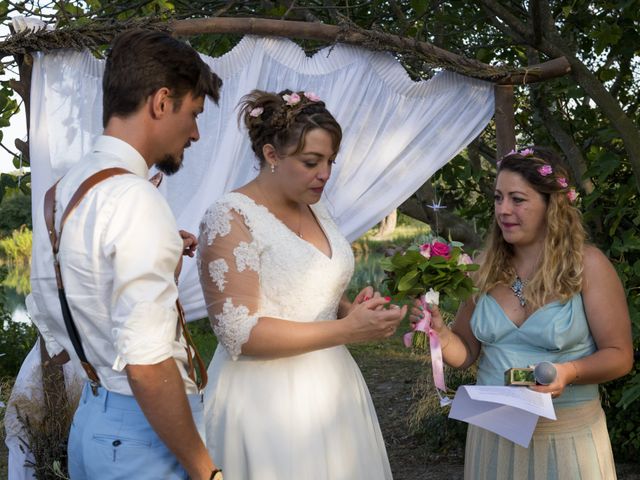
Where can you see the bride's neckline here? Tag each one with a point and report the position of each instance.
(329, 255)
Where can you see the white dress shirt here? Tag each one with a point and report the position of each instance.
(118, 253)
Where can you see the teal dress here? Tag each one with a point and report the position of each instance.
(557, 332)
(574, 446)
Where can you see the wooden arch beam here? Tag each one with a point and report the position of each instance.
(370, 39)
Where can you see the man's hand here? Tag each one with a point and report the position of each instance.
(189, 243)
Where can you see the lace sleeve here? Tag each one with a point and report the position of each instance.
(228, 265)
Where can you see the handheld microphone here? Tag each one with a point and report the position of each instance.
(544, 373)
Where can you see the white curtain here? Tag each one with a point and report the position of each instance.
(397, 132)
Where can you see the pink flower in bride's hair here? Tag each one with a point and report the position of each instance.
(256, 112)
(292, 99)
(464, 259)
(425, 250)
(526, 152)
(439, 249)
(512, 152)
(545, 170)
(563, 182)
(572, 195)
(312, 96)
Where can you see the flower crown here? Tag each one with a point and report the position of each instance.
(290, 100)
(545, 170)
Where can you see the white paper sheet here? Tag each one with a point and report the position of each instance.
(511, 412)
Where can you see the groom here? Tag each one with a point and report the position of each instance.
(118, 254)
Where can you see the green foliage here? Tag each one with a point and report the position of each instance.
(15, 254)
(15, 211)
(204, 338)
(16, 340)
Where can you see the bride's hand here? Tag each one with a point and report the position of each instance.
(367, 293)
(369, 320)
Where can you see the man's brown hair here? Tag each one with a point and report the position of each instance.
(142, 61)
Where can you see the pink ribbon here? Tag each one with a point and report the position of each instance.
(424, 325)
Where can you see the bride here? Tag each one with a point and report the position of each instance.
(285, 398)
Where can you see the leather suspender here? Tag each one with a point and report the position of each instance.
(72, 331)
(54, 238)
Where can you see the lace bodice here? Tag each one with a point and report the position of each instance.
(251, 265)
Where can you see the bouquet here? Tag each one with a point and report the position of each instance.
(433, 271)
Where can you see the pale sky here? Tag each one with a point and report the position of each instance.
(18, 127)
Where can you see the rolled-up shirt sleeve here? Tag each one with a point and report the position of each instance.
(143, 241)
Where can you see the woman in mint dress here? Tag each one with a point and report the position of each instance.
(545, 295)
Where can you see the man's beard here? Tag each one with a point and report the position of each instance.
(169, 165)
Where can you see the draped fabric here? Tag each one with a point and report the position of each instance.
(397, 132)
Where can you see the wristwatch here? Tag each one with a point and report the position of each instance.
(216, 474)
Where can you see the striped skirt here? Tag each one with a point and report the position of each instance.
(576, 446)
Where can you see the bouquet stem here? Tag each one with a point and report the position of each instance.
(419, 341)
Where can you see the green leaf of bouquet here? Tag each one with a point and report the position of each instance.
(437, 260)
(409, 258)
(408, 280)
(386, 264)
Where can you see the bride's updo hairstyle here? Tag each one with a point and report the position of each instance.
(284, 119)
(560, 266)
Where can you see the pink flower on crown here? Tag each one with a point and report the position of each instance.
(256, 112)
(425, 250)
(563, 182)
(312, 96)
(545, 170)
(439, 249)
(572, 195)
(526, 152)
(292, 99)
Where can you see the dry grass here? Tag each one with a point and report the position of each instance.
(44, 423)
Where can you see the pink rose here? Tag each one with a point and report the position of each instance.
(563, 182)
(545, 170)
(425, 250)
(312, 96)
(440, 249)
(292, 99)
(572, 195)
(464, 259)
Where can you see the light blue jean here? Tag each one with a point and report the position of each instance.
(111, 439)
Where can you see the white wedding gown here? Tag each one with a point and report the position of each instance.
(303, 417)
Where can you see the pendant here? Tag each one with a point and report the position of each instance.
(517, 287)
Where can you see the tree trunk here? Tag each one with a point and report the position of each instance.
(387, 225)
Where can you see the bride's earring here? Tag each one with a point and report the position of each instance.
(273, 168)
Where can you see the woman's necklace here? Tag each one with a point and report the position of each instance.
(266, 197)
(518, 290)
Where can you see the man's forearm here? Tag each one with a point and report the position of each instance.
(159, 390)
